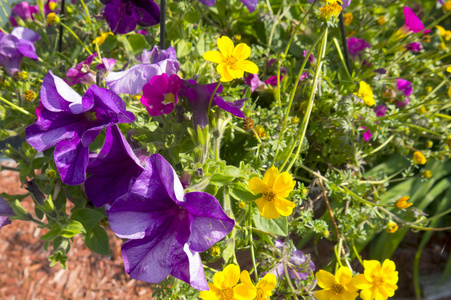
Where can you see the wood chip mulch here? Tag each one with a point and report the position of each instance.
(26, 274)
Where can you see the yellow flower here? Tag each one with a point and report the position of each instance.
(427, 174)
(391, 227)
(377, 282)
(381, 20)
(338, 287)
(29, 95)
(264, 286)
(333, 9)
(347, 17)
(52, 18)
(421, 110)
(274, 188)
(447, 6)
(448, 69)
(366, 93)
(101, 39)
(215, 250)
(401, 203)
(52, 5)
(444, 33)
(418, 158)
(232, 60)
(260, 130)
(225, 287)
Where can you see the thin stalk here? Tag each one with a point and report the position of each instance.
(251, 242)
(76, 37)
(60, 38)
(88, 16)
(342, 58)
(16, 107)
(380, 147)
(356, 252)
(439, 215)
(288, 278)
(162, 23)
(344, 43)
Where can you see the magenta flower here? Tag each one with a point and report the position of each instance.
(154, 62)
(367, 135)
(72, 122)
(311, 59)
(357, 46)
(198, 95)
(123, 15)
(112, 170)
(14, 46)
(24, 11)
(250, 4)
(404, 86)
(414, 47)
(5, 212)
(273, 80)
(254, 82)
(82, 73)
(412, 22)
(404, 103)
(141, 31)
(160, 94)
(106, 65)
(380, 110)
(166, 228)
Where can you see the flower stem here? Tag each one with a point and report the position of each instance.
(251, 242)
(15, 107)
(213, 96)
(162, 23)
(344, 43)
(287, 277)
(60, 38)
(76, 37)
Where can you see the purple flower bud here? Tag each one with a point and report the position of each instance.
(414, 47)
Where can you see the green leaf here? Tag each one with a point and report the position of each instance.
(97, 240)
(183, 48)
(109, 44)
(52, 234)
(73, 229)
(273, 226)
(87, 217)
(241, 193)
(39, 162)
(221, 180)
(138, 43)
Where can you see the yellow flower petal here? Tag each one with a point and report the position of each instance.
(257, 186)
(325, 279)
(214, 56)
(371, 266)
(267, 209)
(366, 294)
(360, 282)
(244, 291)
(222, 70)
(449, 90)
(268, 282)
(235, 72)
(242, 51)
(323, 295)
(271, 176)
(343, 275)
(232, 275)
(225, 45)
(249, 67)
(441, 29)
(219, 280)
(284, 207)
(284, 184)
(211, 294)
(245, 278)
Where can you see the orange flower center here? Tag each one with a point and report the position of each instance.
(260, 294)
(226, 294)
(269, 195)
(337, 289)
(230, 61)
(169, 98)
(378, 281)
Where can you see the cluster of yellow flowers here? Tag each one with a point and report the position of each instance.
(377, 282)
(332, 9)
(225, 286)
(366, 93)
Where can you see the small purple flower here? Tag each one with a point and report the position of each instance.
(166, 229)
(367, 134)
(106, 65)
(198, 95)
(5, 212)
(141, 31)
(380, 110)
(131, 81)
(304, 76)
(404, 86)
(254, 82)
(414, 47)
(273, 80)
(250, 4)
(49, 7)
(357, 46)
(72, 122)
(160, 94)
(14, 46)
(404, 103)
(123, 15)
(296, 263)
(381, 71)
(412, 22)
(112, 170)
(24, 11)
(346, 3)
(311, 58)
(82, 73)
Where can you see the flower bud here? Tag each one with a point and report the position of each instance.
(391, 227)
(215, 250)
(52, 18)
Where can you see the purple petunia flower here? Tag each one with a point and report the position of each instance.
(404, 86)
(412, 22)
(123, 15)
(106, 65)
(273, 80)
(254, 82)
(132, 81)
(112, 170)
(367, 134)
(311, 58)
(160, 94)
(14, 46)
(198, 95)
(72, 122)
(414, 47)
(250, 4)
(166, 228)
(356, 46)
(82, 73)
(5, 212)
(380, 110)
(24, 11)
(296, 263)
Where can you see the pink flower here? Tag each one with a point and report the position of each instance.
(414, 47)
(404, 86)
(160, 94)
(412, 22)
(367, 135)
(380, 110)
(254, 82)
(273, 80)
(357, 46)
(24, 11)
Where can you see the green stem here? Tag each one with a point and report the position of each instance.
(380, 147)
(213, 96)
(356, 252)
(439, 215)
(76, 37)
(342, 58)
(16, 107)
(251, 242)
(288, 278)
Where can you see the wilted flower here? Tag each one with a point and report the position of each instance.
(336, 287)
(250, 4)
(82, 73)
(160, 94)
(311, 59)
(123, 15)
(24, 11)
(232, 60)
(14, 46)
(401, 203)
(296, 261)
(357, 46)
(380, 110)
(414, 47)
(5, 212)
(154, 62)
(377, 282)
(71, 123)
(402, 103)
(166, 229)
(274, 189)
